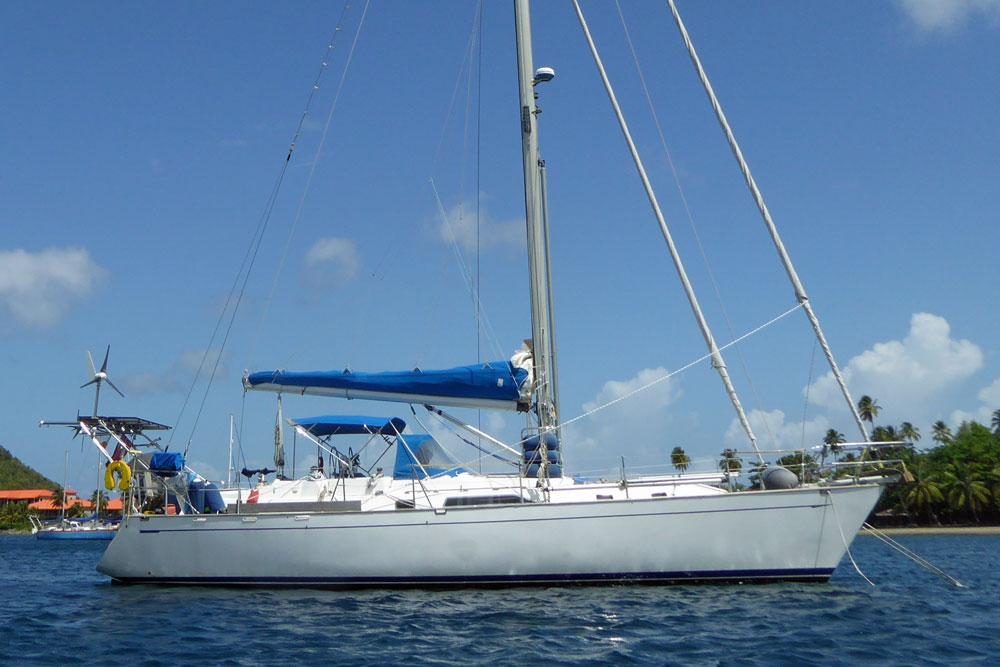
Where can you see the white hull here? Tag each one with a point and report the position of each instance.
(790, 535)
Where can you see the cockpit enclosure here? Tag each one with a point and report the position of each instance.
(420, 456)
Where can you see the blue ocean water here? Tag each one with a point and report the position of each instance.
(57, 610)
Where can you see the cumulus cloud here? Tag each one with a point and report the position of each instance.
(948, 15)
(38, 289)
(331, 262)
(990, 397)
(178, 377)
(624, 428)
(906, 374)
(461, 225)
(772, 432)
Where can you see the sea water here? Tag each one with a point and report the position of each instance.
(56, 609)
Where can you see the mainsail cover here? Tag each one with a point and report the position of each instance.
(496, 385)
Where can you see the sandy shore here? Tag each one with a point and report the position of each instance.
(940, 530)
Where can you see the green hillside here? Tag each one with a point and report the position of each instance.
(16, 475)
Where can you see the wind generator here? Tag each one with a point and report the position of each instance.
(97, 377)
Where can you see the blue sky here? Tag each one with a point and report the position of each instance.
(142, 140)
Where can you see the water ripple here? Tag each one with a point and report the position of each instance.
(59, 611)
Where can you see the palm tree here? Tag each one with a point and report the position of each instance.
(941, 433)
(833, 438)
(76, 510)
(924, 492)
(804, 466)
(908, 431)
(868, 409)
(996, 422)
(730, 461)
(680, 460)
(965, 488)
(994, 477)
(58, 497)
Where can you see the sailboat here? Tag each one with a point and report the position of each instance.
(429, 521)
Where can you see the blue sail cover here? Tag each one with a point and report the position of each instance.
(429, 455)
(350, 425)
(494, 385)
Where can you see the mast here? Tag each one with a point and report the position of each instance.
(229, 472)
(538, 273)
(62, 512)
(97, 495)
(793, 277)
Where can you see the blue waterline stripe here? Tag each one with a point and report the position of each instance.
(719, 576)
(461, 523)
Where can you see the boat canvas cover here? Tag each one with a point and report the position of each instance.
(166, 463)
(429, 455)
(350, 425)
(494, 385)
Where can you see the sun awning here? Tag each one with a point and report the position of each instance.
(350, 425)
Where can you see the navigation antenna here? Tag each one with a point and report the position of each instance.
(97, 377)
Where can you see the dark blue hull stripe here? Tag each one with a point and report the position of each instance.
(105, 535)
(711, 576)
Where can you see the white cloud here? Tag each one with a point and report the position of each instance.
(38, 289)
(331, 262)
(948, 15)
(990, 396)
(905, 375)
(631, 427)
(461, 224)
(772, 432)
(178, 377)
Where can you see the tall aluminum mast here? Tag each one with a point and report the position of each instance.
(541, 314)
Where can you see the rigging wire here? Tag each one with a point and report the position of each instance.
(397, 242)
(479, 199)
(847, 545)
(248, 260)
(312, 171)
(690, 217)
(466, 274)
(682, 368)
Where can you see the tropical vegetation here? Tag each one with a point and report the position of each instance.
(957, 481)
(679, 459)
(16, 475)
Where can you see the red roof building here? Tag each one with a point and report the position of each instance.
(22, 495)
(52, 506)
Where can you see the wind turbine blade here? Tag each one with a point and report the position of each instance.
(112, 385)
(88, 384)
(104, 366)
(90, 366)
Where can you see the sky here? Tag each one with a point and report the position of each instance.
(142, 141)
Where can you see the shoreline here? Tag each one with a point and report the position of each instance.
(937, 530)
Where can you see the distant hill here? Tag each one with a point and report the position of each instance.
(16, 475)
